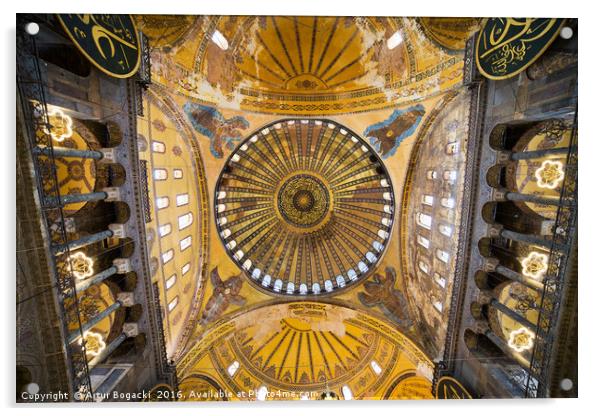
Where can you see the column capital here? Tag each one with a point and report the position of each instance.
(484, 297)
(108, 155)
(494, 230)
(113, 193)
(126, 298)
(118, 230)
(481, 326)
(131, 329)
(490, 264)
(123, 265)
(499, 195)
(503, 156)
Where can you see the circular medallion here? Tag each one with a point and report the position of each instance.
(507, 46)
(109, 41)
(304, 207)
(303, 201)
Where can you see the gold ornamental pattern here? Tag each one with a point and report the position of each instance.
(304, 207)
(303, 201)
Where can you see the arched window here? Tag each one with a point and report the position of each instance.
(164, 230)
(167, 256)
(171, 281)
(446, 230)
(424, 242)
(443, 256)
(233, 368)
(437, 304)
(178, 173)
(452, 148)
(347, 395)
(448, 202)
(181, 199)
(376, 368)
(162, 202)
(185, 268)
(424, 220)
(158, 147)
(160, 174)
(427, 200)
(450, 175)
(439, 279)
(185, 243)
(184, 220)
(431, 174)
(423, 266)
(262, 392)
(172, 305)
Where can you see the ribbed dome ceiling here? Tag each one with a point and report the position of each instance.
(304, 207)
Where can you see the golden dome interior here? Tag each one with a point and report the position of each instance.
(295, 141)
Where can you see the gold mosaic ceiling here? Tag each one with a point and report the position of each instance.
(304, 206)
(301, 202)
(305, 64)
(305, 348)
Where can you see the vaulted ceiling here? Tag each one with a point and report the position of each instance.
(306, 148)
(307, 65)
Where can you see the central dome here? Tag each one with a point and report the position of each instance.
(304, 207)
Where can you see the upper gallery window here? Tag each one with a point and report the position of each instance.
(172, 305)
(427, 200)
(185, 243)
(160, 174)
(162, 202)
(452, 148)
(448, 202)
(167, 256)
(164, 230)
(158, 147)
(184, 220)
(170, 282)
(443, 256)
(446, 230)
(181, 199)
(424, 242)
(425, 220)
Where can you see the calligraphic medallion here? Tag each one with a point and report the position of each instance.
(450, 388)
(507, 46)
(109, 41)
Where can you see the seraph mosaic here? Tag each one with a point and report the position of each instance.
(387, 135)
(222, 132)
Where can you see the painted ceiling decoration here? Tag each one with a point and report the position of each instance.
(312, 134)
(306, 65)
(304, 207)
(449, 32)
(302, 348)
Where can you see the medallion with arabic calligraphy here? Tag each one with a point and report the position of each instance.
(507, 46)
(109, 41)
